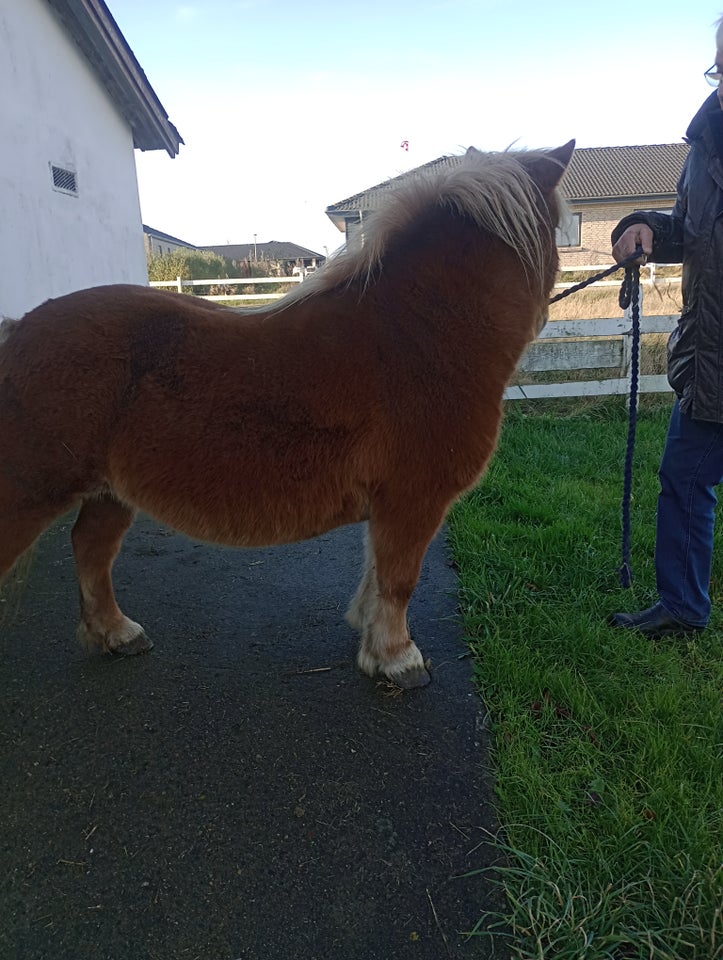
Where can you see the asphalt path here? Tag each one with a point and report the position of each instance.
(241, 791)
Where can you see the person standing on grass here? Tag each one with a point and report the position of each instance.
(692, 462)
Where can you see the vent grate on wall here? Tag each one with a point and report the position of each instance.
(64, 180)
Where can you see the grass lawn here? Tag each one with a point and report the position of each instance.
(607, 745)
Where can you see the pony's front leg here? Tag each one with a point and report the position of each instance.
(362, 605)
(395, 549)
(97, 536)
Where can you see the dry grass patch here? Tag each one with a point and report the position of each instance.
(661, 298)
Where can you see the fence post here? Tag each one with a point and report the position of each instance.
(628, 338)
(179, 284)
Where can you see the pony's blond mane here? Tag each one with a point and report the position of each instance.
(492, 189)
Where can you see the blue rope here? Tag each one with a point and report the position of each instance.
(630, 293)
(594, 279)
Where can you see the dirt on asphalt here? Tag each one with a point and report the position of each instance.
(242, 791)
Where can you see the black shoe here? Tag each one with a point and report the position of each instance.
(654, 622)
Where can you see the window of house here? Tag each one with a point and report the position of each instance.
(568, 233)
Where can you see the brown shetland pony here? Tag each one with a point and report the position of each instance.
(373, 392)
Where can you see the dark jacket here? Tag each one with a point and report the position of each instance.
(693, 234)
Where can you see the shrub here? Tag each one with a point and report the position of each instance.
(188, 265)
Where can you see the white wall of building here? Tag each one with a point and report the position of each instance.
(53, 110)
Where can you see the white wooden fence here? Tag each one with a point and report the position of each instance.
(563, 345)
(606, 345)
(179, 284)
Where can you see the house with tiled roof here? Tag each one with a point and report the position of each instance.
(601, 185)
(158, 243)
(348, 215)
(604, 184)
(290, 257)
(74, 105)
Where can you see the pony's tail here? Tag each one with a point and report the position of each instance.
(12, 586)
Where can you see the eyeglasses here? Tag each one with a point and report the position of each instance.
(714, 75)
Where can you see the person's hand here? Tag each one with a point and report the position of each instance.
(639, 234)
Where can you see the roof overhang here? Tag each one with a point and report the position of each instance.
(339, 219)
(91, 26)
(632, 198)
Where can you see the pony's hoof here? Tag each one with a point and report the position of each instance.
(131, 648)
(127, 640)
(406, 671)
(411, 678)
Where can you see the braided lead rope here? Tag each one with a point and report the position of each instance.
(629, 294)
(599, 276)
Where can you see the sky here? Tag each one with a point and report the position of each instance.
(286, 107)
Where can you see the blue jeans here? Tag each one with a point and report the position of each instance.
(691, 466)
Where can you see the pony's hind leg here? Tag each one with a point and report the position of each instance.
(19, 529)
(97, 536)
(398, 540)
(24, 512)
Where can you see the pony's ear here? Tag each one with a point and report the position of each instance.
(547, 169)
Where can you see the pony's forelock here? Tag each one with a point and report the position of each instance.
(494, 190)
